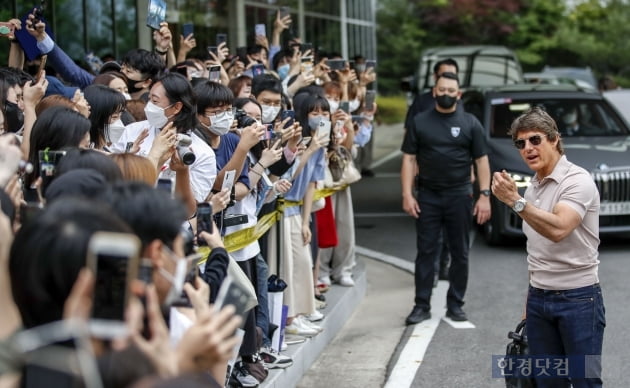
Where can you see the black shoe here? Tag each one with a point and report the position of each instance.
(417, 315)
(456, 314)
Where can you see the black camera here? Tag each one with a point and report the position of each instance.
(243, 119)
(183, 149)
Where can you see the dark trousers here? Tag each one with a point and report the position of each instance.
(249, 346)
(452, 214)
(571, 323)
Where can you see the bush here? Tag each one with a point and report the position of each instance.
(391, 109)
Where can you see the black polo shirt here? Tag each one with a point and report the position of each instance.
(445, 145)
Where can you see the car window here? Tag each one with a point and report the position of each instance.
(575, 118)
(494, 71)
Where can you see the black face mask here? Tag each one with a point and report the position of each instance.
(131, 86)
(14, 117)
(445, 101)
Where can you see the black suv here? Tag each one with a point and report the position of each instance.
(600, 143)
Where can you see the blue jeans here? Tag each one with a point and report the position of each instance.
(262, 310)
(568, 322)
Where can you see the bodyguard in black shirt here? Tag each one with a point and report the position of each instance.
(444, 142)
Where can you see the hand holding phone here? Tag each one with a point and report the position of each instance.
(221, 38)
(214, 73)
(287, 114)
(204, 220)
(113, 258)
(370, 96)
(336, 64)
(156, 13)
(260, 30)
(187, 29)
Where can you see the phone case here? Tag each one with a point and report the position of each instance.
(187, 29)
(261, 30)
(156, 13)
(228, 179)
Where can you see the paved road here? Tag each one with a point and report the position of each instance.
(494, 302)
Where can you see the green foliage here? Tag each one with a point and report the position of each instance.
(391, 109)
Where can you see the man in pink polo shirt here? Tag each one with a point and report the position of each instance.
(560, 212)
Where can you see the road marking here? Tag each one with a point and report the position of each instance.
(412, 355)
(385, 159)
(397, 262)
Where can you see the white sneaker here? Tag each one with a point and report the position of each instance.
(316, 316)
(326, 280)
(346, 281)
(306, 323)
(297, 327)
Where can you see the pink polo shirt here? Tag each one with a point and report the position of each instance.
(572, 262)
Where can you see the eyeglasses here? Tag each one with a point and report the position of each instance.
(533, 140)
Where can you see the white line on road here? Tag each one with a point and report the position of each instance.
(386, 159)
(412, 355)
(385, 258)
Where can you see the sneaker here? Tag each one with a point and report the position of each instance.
(456, 314)
(308, 324)
(242, 376)
(320, 297)
(316, 316)
(320, 304)
(417, 315)
(346, 281)
(298, 328)
(325, 280)
(274, 360)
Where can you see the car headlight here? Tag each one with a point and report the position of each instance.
(521, 180)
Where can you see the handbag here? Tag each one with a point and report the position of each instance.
(518, 347)
(341, 170)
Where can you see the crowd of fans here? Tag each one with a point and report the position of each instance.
(138, 149)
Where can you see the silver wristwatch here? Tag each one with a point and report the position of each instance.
(519, 205)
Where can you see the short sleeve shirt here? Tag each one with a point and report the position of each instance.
(445, 145)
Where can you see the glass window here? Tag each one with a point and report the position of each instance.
(323, 34)
(328, 7)
(359, 9)
(361, 41)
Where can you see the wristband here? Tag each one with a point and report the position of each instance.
(161, 52)
(258, 163)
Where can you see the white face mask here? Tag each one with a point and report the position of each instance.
(116, 128)
(155, 115)
(269, 113)
(127, 96)
(354, 105)
(221, 123)
(334, 105)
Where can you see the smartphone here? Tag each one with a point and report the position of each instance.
(228, 180)
(221, 38)
(336, 64)
(370, 63)
(213, 50)
(7, 29)
(204, 220)
(232, 293)
(156, 13)
(241, 52)
(188, 29)
(166, 185)
(192, 271)
(370, 96)
(48, 161)
(214, 73)
(306, 64)
(113, 258)
(260, 30)
(344, 106)
(258, 70)
(287, 114)
(41, 68)
(284, 11)
(323, 131)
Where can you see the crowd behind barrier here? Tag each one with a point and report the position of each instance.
(176, 215)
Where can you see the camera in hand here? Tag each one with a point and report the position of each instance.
(183, 149)
(243, 119)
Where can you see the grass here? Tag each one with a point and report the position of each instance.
(391, 109)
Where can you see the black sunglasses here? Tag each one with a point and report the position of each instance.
(534, 140)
